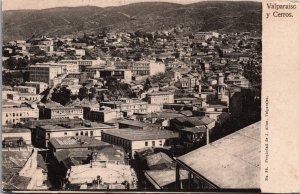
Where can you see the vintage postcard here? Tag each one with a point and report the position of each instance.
(150, 96)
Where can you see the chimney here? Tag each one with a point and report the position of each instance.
(207, 135)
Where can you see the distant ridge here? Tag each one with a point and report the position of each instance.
(220, 16)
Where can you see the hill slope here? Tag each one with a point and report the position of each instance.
(147, 16)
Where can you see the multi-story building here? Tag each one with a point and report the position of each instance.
(18, 114)
(128, 106)
(142, 67)
(42, 134)
(160, 98)
(43, 73)
(133, 140)
(83, 63)
(61, 112)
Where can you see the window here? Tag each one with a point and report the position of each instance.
(146, 143)
(76, 133)
(153, 143)
(91, 133)
(160, 142)
(86, 133)
(65, 133)
(81, 133)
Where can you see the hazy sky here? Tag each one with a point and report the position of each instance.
(43, 4)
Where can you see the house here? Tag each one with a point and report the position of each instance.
(133, 140)
(236, 157)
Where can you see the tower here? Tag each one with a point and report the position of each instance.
(221, 86)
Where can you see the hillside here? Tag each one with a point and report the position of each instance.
(147, 16)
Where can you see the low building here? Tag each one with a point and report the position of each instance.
(22, 135)
(133, 140)
(238, 161)
(39, 86)
(213, 111)
(160, 98)
(42, 134)
(75, 143)
(104, 115)
(101, 174)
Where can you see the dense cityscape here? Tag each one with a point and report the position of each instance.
(170, 109)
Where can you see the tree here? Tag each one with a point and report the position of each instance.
(147, 84)
(83, 93)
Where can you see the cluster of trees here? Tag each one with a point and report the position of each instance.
(16, 64)
(117, 90)
(64, 95)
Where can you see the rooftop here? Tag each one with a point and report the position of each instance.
(75, 126)
(139, 135)
(236, 157)
(76, 142)
(16, 130)
(159, 93)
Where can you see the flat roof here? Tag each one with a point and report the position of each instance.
(16, 130)
(160, 93)
(75, 126)
(76, 142)
(194, 129)
(139, 135)
(230, 162)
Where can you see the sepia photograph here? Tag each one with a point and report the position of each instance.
(131, 95)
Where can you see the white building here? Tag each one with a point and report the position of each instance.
(160, 98)
(142, 67)
(14, 115)
(39, 86)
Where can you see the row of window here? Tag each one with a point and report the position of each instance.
(153, 143)
(86, 133)
(18, 114)
(117, 141)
